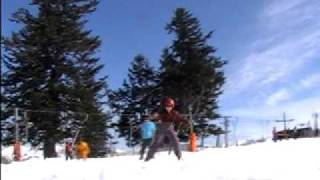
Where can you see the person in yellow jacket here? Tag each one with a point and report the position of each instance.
(83, 149)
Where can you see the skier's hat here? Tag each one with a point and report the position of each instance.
(169, 102)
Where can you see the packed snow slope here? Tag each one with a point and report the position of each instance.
(286, 160)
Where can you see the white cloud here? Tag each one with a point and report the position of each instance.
(277, 7)
(285, 46)
(290, 15)
(277, 97)
(277, 62)
(311, 81)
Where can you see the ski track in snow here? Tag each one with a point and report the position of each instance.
(285, 160)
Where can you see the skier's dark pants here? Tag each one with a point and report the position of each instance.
(145, 143)
(164, 130)
(68, 155)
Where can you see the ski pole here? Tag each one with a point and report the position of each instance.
(75, 138)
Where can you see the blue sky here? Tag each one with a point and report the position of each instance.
(272, 46)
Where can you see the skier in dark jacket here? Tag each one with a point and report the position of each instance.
(165, 128)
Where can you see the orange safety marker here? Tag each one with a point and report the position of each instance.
(17, 151)
(193, 142)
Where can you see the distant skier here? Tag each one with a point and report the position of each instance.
(147, 131)
(17, 151)
(295, 133)
(166, 129)
(274, 134)
(68, 150)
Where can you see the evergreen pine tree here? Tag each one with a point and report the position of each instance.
(138, 96)
(89, 96)
(190, 71)
(52, 69)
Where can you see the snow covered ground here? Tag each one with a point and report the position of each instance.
(286, 160)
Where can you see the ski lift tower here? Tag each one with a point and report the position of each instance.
(316, 128)
(285, 121)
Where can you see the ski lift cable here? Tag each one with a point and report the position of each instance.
(57, 112)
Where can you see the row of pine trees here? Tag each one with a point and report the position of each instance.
(52, 70)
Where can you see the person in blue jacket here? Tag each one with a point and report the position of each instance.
(147, 131)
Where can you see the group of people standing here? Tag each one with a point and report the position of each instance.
(153, 133)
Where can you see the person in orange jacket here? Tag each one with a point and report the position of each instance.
(83, 149)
